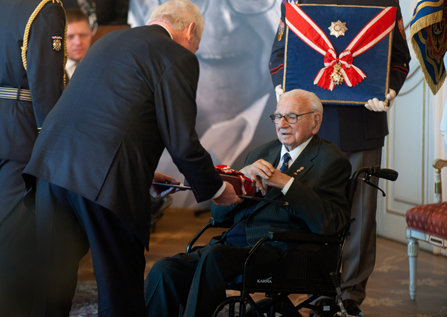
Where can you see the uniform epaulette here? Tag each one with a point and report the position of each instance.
(28, 27)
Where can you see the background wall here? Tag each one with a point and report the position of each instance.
(235, 93)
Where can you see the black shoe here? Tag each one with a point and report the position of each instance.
(324, 307)
(352, 308)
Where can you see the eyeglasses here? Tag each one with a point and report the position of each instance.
(245, 7)
(291, 118)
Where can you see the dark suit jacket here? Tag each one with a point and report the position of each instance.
(353, 128)
(317, 198)
(132, 96)
(44, 78)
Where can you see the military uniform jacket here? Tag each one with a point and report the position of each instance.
(352, 128)
(317, 198)
(19, 119)
(132, 95)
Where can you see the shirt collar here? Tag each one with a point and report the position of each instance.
(295, 152)
(165, 29)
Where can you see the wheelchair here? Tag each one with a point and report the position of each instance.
(303, 263)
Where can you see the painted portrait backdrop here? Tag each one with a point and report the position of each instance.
(235, 93)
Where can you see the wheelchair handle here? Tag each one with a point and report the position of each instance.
(376, 171)
(385, 173)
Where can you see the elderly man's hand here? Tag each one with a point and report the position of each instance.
(259, 171)
(228, 197)
(158, 191)
(380, 106)
(277, 179)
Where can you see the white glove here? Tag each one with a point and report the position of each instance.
(279, 91)
(379, 106)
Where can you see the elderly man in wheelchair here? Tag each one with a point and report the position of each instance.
(302, 182)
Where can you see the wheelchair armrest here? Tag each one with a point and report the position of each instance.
(211, 224)
(297, 236)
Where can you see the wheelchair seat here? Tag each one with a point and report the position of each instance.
(285, 263)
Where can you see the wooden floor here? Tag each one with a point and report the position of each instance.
(387, 292)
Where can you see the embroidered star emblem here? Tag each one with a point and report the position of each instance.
(338, 28)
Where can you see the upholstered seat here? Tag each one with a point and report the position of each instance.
(430, 218)
(426, 223)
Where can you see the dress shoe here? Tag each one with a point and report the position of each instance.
(352, 308)
(324, 307)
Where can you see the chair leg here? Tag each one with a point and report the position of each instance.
(413, 246)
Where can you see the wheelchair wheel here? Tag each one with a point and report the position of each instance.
(274, 307)
(230, 307)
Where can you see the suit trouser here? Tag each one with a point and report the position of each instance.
(193, 284)
(67, 224)
(359, 253)
(16, 242)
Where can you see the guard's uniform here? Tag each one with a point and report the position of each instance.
(360, 134)
(30, 84)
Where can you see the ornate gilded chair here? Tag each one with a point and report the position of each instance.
(426, 223)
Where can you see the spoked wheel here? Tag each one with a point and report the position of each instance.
(230, 307)
(273, 307)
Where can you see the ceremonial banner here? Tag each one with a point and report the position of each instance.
(429, 40)
(339, 51)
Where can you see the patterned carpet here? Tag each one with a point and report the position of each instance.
(85, 300)
(387, 292)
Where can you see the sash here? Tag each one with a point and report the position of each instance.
(339, 68)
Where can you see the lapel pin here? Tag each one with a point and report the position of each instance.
(299, 170)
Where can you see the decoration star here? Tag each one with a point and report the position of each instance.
(338, 28)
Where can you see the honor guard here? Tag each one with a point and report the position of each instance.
(32, 61)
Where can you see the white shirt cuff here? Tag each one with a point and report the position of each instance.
(220, 191)
(287, 186)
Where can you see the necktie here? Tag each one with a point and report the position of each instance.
(285, 164)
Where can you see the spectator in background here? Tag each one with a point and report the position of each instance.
(79, 38)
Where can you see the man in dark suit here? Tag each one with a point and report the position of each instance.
(235, 103)
(313, 180)
(359, 132)
(31, 81)
(94, 160)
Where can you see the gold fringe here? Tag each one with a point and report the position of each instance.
(28, 27)
(426, 21)
(285, 60)
(433, 87)
(420, 24)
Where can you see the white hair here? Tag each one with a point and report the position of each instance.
(308, 96)
(179, 14)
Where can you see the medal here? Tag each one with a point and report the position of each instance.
(338, 28)
(57, 43)
(337, 76)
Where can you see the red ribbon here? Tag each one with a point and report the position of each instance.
(309, 32)
(247, 185)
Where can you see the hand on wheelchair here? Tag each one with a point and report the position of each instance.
(265, 174)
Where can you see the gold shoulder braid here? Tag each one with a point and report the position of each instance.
(28, 27)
